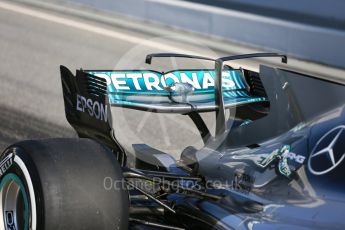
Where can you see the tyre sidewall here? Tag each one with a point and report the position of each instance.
(21, 165)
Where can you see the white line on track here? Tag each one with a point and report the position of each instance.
(106, 32)
(90, 28)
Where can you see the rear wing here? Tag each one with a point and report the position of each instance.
(89, 95)
(148, 90)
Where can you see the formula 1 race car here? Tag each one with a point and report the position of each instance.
(276, 162)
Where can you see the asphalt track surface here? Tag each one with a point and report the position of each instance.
(31, 103)
(34, 42)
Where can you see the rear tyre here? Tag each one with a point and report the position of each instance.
(60, 184)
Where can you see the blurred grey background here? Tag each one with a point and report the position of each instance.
(308, 29)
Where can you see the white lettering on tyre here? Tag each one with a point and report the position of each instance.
(6, 163)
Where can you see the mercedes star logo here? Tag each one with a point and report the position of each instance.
(331, 146)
